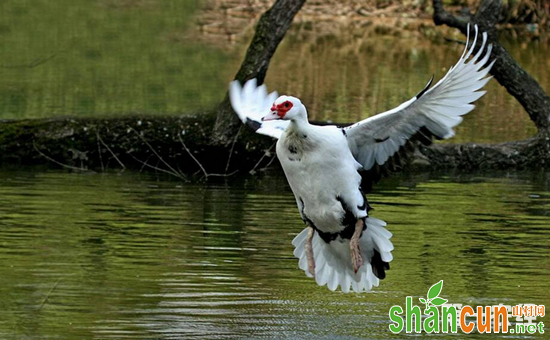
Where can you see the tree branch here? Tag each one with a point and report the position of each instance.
(442, 17)
(270, 30)
(533, 153)
(506, 70)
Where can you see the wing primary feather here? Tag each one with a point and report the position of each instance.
(254, 125)
(467, 41)
(426, 88)
(251, 102)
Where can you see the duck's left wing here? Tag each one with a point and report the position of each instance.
(251, 103)
(377, 142)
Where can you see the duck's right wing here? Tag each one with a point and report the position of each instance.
(251, 103)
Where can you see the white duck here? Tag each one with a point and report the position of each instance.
(342, 244)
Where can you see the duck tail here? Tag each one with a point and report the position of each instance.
(333, 265)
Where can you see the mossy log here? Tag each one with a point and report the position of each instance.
(183, 146)
(529, 154)
(176, 145)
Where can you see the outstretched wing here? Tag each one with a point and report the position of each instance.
(251, 103)
(379, 142)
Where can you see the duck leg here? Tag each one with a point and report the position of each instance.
(356, 258)
(309, 250)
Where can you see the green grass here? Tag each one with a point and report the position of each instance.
(84, 57)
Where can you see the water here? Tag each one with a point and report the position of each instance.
(134, 256)
(108, 57)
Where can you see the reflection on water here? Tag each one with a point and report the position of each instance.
(106, 57)
(346, 78)
(136, 257)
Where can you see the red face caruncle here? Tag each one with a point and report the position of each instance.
(282, 108)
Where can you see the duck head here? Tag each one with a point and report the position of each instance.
(286, 108)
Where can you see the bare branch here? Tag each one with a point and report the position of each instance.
(442, 17)
(59, 163)
(253, 171)
(223, 175)
(99, 152)
(205, 173)
(111, 151)
(178, 175)
(268, 164)
(192, 156)
(145, 163)
(156, 153)
(232, 148)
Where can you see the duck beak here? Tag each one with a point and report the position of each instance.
(272, 116)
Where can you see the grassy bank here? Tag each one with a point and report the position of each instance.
(84, 57)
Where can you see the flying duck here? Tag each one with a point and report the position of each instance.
(330, 168)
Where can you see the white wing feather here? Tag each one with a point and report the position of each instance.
(438, 109)
(251, 103)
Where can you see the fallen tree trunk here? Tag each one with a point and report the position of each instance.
(175, 145)
(181, 146)
(530, 154)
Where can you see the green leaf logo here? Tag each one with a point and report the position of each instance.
(435, 290)
(438, 301)
(433, 293)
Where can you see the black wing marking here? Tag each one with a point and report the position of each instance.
(397, 161)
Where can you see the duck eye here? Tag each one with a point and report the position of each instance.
(286, 104)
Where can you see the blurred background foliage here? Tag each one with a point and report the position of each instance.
(105, 56)
(513, 11)
(347, 59)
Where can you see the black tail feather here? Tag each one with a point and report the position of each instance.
(379, 267)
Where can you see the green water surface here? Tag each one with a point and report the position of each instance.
(138, 256)
(134, 256)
